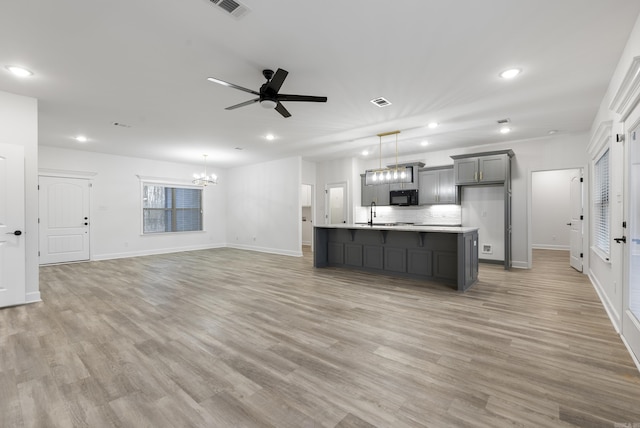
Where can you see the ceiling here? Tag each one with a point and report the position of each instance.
(144, 65)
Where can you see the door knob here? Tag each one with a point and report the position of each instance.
(17, 233)
(623, 239)
(568, 224)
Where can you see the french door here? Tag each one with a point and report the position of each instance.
(631, 298)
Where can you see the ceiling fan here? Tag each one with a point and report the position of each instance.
(268, 95)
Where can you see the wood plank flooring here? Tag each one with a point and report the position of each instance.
(231, 338)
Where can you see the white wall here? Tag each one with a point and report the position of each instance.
(116, 202)
(336, 171)
(607, 274)
(483, 207)
(263, 207)
(551, 208)
(19, 126)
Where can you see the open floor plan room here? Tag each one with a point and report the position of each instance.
(230, 338)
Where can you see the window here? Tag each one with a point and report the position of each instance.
(170, 209)
(601, 203)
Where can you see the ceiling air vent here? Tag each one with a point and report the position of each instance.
(381, 102)
(231, 7)
(503, 121)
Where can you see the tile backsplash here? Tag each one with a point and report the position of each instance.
(450, 215)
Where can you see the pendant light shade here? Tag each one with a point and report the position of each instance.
(204, 179)
(397, 174)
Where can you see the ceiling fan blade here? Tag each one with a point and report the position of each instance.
(276, 81)
(246, 103)
(231, 85)
(311, 98)
(283, 111)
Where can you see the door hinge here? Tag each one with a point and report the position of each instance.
(38, 253)
(90, 184)
(581, 179)
(38, 220)
(38, 187)
(581, 255)
(624, 224)
(581, 217)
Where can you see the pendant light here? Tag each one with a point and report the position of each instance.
(398, 174)
(204, 179)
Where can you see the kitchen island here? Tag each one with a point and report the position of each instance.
(435, 253)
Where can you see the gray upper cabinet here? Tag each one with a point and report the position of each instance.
(378, 193)
(489, 168)
(437, 187)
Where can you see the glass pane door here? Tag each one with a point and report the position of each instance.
(634, 223)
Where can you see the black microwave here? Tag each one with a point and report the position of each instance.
(403, 197)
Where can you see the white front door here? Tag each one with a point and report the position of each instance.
(64, 219)
(575, 234)
(12, 220)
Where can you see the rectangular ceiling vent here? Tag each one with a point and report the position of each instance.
(231, 7)
(381, 102)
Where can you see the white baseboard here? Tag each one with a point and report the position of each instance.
(33, 297)
(608, 306)
(155, 251)
(519, 265)
(550, 247)
(266, 250)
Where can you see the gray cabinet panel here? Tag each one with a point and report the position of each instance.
(419, 262)
(336, 253)
(445, 265)
(465, 170)
(437, 187)
(373, 256)
(395, 259)
(378, 193)
(353, 255)
(429, 186)
(492, 168)
(447, 190)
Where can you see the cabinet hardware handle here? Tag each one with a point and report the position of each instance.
(480, 175)
(475, 176)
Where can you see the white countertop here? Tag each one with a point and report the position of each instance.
(401, 227)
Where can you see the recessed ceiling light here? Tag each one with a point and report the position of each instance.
(510, 73)
(433, 125)
(270, 137)
(19, 71)
(81, 139)
(239, 148)
(505, 130)
(424, 143)
(365, 153)
(553, 131)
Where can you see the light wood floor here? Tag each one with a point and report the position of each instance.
(230, 338)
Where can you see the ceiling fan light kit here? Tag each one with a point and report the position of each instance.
(268, 96)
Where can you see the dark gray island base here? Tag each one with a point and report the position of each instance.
(441, 254)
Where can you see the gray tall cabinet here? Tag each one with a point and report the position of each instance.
(489, 168)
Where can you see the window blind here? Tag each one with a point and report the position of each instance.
(601, 203)
(171, 209)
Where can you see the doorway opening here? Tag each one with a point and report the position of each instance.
(557, 214)
(336, 203)
(306, 204)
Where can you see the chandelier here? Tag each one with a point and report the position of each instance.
(397, 174)
(204, 179)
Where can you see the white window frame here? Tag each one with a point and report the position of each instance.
(157, 181)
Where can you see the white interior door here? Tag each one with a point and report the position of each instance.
(336, 203)
(64, 219)
(631, 298)
(576, 223)
(12, 220)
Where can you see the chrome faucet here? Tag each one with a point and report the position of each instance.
(372, 213)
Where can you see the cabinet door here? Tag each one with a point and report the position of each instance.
(465, 170)
(446, 187)
(428, 188)
(493, 169)
(368, 193)
(382, 194)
